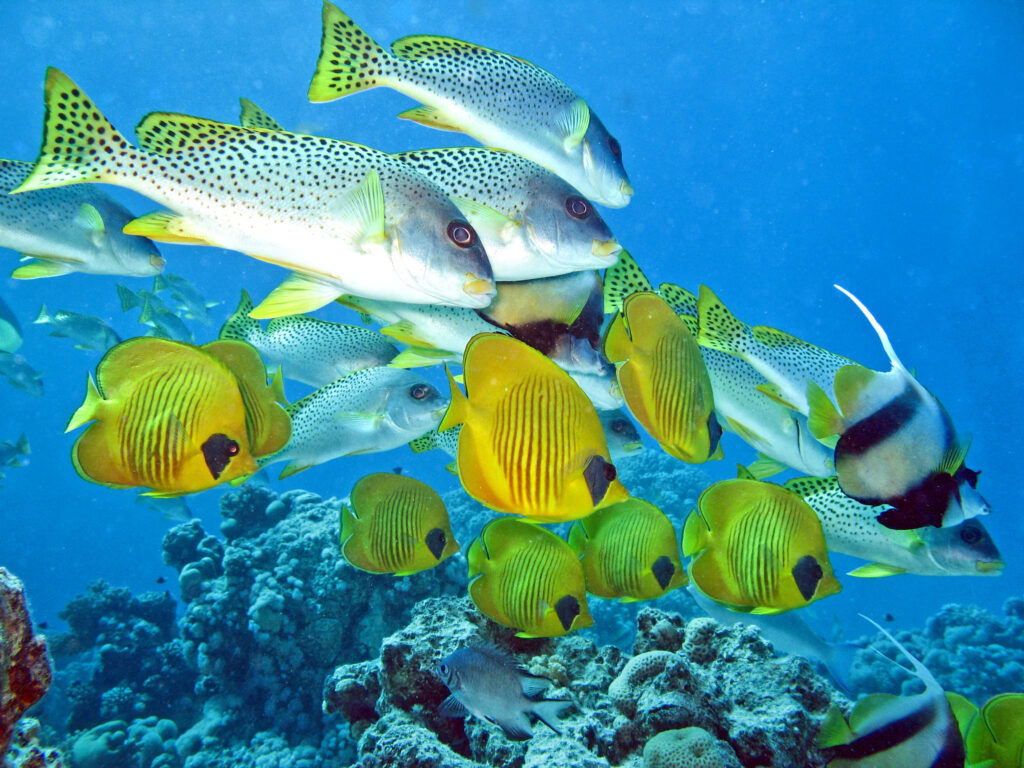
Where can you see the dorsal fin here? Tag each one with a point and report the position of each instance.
(919, 669)
(882, 336)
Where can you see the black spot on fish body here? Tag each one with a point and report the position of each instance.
(599, 474)
(807, 573)
(921, 506)
(663, 571)
(436, 540)
(567, 609)
(218, 451)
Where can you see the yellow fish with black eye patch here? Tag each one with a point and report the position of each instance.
(532, 443)
(177, 418)
(396, 524)
(663, 378)
(757, 547)
(628, 551)
(524, 576)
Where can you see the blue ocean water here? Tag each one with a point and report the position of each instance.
(776, 149)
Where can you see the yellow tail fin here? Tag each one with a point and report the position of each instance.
(350, 60)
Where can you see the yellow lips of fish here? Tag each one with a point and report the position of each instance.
(396, 524)
(663, 378)
(757, 547)
(629, 551)
(532, 444)
(525, 577)
(174, 418)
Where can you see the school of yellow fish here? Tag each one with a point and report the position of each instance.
(485, 258)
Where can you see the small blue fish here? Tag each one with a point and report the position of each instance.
(20, 374)
(186, 296)
(88, 332)
(10, 329)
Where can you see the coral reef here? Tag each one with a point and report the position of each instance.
(726, 681)
(26, 751)
(966, 648)
(25, 670)
(688, 748)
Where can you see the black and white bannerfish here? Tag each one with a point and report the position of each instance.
(888, 731)
(487, 683)
(853, 529)
(897, 444)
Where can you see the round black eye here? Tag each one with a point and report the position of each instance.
(970, 535)
(577, 207)
(232, 448)
(619, 426)
(614, 147)
(418, 391)
(444, 669)
(460, 233)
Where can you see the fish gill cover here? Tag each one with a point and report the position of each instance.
(765, 151)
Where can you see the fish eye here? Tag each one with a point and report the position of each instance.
(419, 391)
(460, 233)
(619, 426)
(969, 534)
(232, 449)
(444, 669)
(614, 147)
(577, 207)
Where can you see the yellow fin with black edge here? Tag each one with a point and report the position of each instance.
(89, 410)
(297, 295)
(350, 60)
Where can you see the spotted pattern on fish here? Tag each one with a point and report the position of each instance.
(534, 439)
(272, 195)
(622, 279)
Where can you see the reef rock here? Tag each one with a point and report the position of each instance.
(25, 670)
(755, 709)
(688, 748)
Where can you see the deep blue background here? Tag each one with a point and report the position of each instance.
(776, 148)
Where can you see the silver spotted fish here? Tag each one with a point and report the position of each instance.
(500, 100)
(344, 217)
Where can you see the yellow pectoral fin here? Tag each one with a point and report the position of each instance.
(773, 392)
(38, 268)
(297, 295)
(573, 124)
(165, 227)
(431, 117)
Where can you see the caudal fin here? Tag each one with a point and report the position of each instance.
(350, 60)
(240, 325)
(79, 143)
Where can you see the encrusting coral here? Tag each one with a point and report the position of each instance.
(688, 748)
(25, 670)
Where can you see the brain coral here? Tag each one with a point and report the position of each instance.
(688, 748)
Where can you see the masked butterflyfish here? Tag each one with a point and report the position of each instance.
(523, 576)
(757, 547)
(395, 524)
(60, 231)
(897, 444)
(308, 349)
(532, 443)
(372, 410)
(629, 551)
(994, 734)
(487, 683)
(372, 226)
(537, 115)
(663, 378)
(852, 528)
(888, 731)
(531, 222)
(786, 362)
(176, 418)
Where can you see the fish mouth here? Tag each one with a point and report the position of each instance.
(633, 447)
(626, 189)
(606, 249)
(480, 289)
(157, 262)
(989, 566)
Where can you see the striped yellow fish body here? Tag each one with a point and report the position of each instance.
(523, 576)
(757, 547)
(396, 524)
(663, 378)
(532, 443)
(345, 218)
(174, 418)
(629, 551)
(500, 100)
